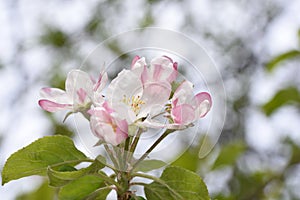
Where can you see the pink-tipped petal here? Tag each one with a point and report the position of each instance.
(184, 93)
(100, 114)
(174, 102)
(183, 114)
(51, 106)
(101, 130)
(55, 94)
(163, 68)
(107, 127)
(134, 60)
(81, 95)
(138, 66)
(77, 79)
(48, 91)
(203, 109)
(170, 59)
(102, 80)
(144, 75)
(200, 97)
(158, 70)
(203, 104)
(163, 61)
(107, 107)
(156, 93)
(174, 73)
(121, 131)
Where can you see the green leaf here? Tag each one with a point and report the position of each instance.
(188, 160)
(99, 194)
(148, 165)
(177, 184)
(283, 57)
(229, 154)
(42, 192)
(86, 187)
(283, 97)
(58, 178)
(39, 155)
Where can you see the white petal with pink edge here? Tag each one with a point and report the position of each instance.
(203, 104)
(55, 94)
(51, 106)
(108, 127)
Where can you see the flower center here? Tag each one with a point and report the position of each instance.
(134, 102)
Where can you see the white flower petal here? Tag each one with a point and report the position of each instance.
(77, 80)
(138, 65)
(184, 93)
(124, 112)
(126, 84)
(155, 96)
(163, 68)
(203, 109)
(55, 95)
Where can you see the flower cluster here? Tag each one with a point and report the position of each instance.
(139, 97)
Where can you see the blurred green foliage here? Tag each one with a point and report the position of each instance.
(55, 37)
(281, 58)
(42, 192)
(147, 20)
(229, 154)
(243, 184)
(188, 160)
(283, 97)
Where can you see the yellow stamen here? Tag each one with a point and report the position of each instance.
(134, 102)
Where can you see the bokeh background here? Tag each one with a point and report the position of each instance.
(255, 45)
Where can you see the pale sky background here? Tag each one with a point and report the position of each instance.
(22, 121)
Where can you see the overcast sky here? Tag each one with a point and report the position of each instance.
(22, 121)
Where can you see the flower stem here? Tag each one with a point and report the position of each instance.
(161, 113)
(166, 133)
(134, 145)
(125, 153)
(123, 179)
(136, 140)
(111, 156)
(110, 180)
(127, 142)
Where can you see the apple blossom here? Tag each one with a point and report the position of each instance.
(161, 69)
(142, 91)
(81, 91)
(135, 98)
(107, 126)
(187, 108)
(143, 97)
